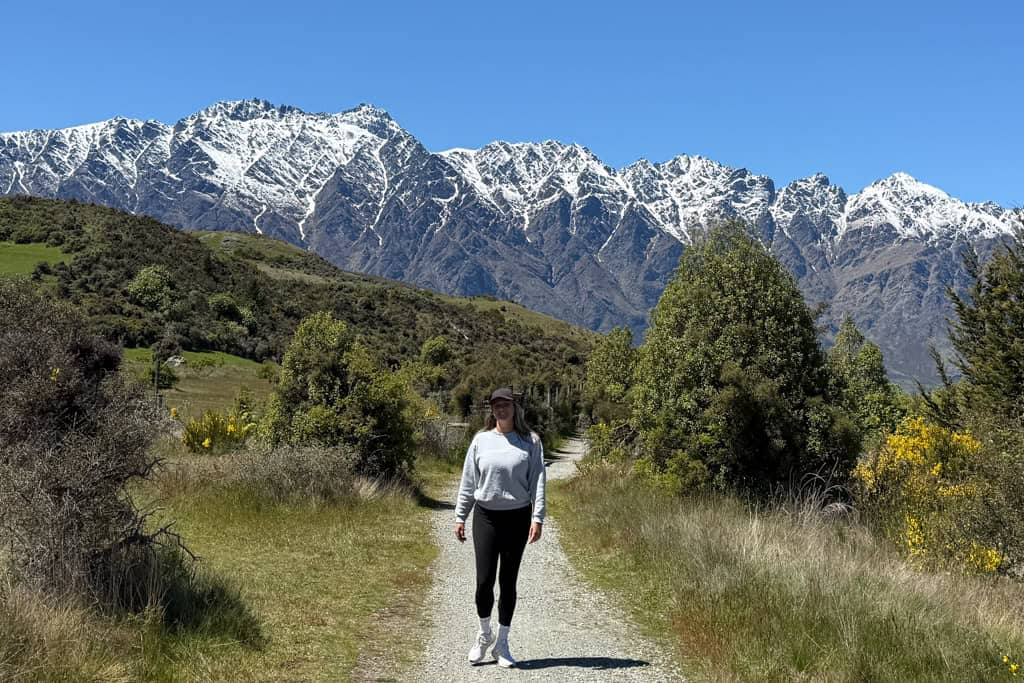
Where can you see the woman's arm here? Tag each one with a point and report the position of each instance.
(467, 488)
(538, 479)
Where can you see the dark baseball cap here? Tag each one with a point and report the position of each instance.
(503, 393)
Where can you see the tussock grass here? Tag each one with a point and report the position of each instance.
(782, 593)
(326, 561)
(44, 640)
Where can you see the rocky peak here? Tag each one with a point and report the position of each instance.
(910, 209)
(810, 202)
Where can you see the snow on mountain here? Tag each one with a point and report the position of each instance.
(915, 210)
(519, 179)
(547, 224)
(689, 193)
(264, 160)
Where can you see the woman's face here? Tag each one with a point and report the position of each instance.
(502, 409)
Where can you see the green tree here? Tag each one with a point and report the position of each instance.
(859, 379)
(332, 391)
(730, 384)
(435, 351)
(151, 288)
(609, 372)
(988, 332)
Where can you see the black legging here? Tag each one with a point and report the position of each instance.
(499, 534)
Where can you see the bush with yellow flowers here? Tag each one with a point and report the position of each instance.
(216, 432)
(934, 492)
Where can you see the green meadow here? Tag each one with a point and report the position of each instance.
(21, 259)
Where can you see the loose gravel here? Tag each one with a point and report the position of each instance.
(563, 630)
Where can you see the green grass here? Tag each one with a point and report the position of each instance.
(309, 592)
(21, 259)
(318, 577)
(782, 595)
(522, 314)
(211, 388)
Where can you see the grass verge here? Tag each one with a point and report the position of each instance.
(782, 595)
(298, 591)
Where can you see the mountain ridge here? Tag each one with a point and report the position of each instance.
(547, 224)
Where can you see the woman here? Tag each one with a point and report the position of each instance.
(503, 479)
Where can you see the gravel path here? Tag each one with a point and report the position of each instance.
(564, 630)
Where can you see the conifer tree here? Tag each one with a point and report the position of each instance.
(988, 333)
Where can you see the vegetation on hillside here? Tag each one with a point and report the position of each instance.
(91, 570)
(141, 283)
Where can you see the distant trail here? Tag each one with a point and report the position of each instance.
(564, 630)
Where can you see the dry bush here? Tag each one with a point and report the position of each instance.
(291, 473)
(73, 435)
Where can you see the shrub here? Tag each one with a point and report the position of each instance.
(938, 494)
(609, 375)
(333, 392)
(74, 435)
(435, 351)
(151, 288)
(215, 432)
(607, 441)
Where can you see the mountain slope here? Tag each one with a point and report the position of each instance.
(547, 224)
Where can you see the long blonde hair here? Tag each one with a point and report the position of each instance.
(519, 423)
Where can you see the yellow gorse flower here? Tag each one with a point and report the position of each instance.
(915, 537)
(174, 412)
(206, 442)
(984, 559)
(926, 471)
(231, 428)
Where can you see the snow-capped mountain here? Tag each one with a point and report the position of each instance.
(546, 224)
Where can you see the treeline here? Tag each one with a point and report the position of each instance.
(140, 283)
(732, 392)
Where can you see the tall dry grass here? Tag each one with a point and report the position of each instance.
(786, 592)
(51, 639)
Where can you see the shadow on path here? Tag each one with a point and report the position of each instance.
(595, 663)
(433, 503)
(555, 457)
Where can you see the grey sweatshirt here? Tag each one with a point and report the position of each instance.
(502, 472)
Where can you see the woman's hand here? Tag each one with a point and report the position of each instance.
(460, 532)
(535, 532)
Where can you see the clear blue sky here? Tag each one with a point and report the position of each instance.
(854, 90)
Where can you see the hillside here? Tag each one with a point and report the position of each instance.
(244, 294)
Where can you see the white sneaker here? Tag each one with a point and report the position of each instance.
(502, 654)
(479, 649)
